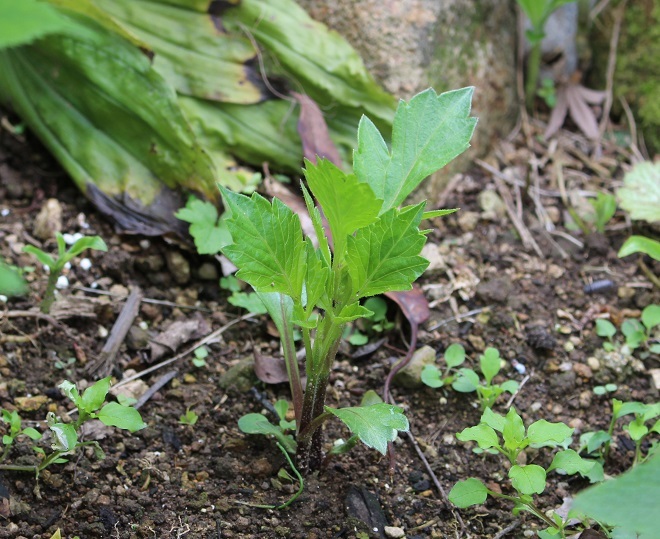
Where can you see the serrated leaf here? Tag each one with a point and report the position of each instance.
(352, 312)
(376, 424)
(629, 501)
(484, 435)
(640, 194)
(490, 363)
(268, 247)
(529, 479)
(431, 214)
(123, 417)
(347, 204)
(317, 223)
(318, 276)
(94, 396)
(208, 231)
(542, 432)
(454, 355)
(428, 132)
(469, 492)
(384, 256)
(572, 463)
(431, 376)
(466, 381)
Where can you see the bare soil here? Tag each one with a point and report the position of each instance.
(173, 480)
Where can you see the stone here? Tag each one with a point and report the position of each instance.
(409, 45)
(394, 531)
(208, 272)
(583, 371)
(48, 220)
(491, 204)
(178, 265)
(655, 377)
(410, 376)
(468, 220)
(495, 290)
(240, 377)
(593, 363)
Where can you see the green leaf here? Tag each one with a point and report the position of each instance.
(605, 328)
(640, 244)
(88, 242)
(428, 132)
(209, 232)
(484, 435)
(71, 392)
(467, 493)
(640, 194)
(31, 433)
(43, 258)
(510, 385)
(493, 419)
(11, 282)
(66, 437)
(634, 332)
(351, 312)
(651, 316)
(466, 381)
(376, 424)
(124, 417)
(317, 223)
(250, 301)
(454, 355)
(637, 429)
(431, 376)
(542, 432)
(94, 396)
(490, 363)
(594, 440)
(281, 407)
(620, 409)
(347, 204)
(317, 277)
(431, 214)
(630, 501)
(370, 397)
(513, 431)
(24, 21)
(570, 462)
(384, 256)
(268, 247)
(258, 424)
(529, 479)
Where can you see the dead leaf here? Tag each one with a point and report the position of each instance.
(270, 370)
(413, 304)
(176, 334)
(314, 133)
(574, 99)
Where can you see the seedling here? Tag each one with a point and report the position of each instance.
(507, 435)
(466, 380)
(376, 249)
(200, 354)
(598, 442)
(637, 333)
(56, 265)
(604, 209)
(90, 405)
(376, 322)
(246, 300)
(189, 418)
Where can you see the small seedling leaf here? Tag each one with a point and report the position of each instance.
(513, 431)
(510, 386)
(640, 195)
(43, 258)
(544, 433)
(594, 440)
(484, 435)
(490, 363)
(123, 417)
(431, 214)
(370, 397)
(572, 463)
(375, 425)
(640, 244)
(281, 407)
(88, 242)
(454, 355)
(651, 316)
(466, 381)
(620, 409)
(31, 433)
(605, 328)
(94, 396)
(493, 419)
(249, 301)
(637, 429)
(529, 479)
(468, 492)
(431, 376)
(210, 233)
(258, 424)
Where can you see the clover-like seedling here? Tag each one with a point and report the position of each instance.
(637, 333)
(466, 380)
(56, 265)
(90, 405)
(189, 418)
(507, 435)
(376, 246)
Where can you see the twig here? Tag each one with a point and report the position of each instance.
(611, 65)
(649, 274)
(632, 125)
(520, 386)
(458, 317)
(143, 300)
(156, 386)
(40, 316)
(210, 337)
(506, 530)
(105, 362)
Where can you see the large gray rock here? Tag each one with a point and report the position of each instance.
(410, 45)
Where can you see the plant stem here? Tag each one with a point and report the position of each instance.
(291, 362)
(533, 67)
(49, 295)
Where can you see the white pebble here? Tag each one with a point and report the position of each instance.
(5, 212)
(62, 282)
(103, 333)
(145, 244)
(67, 266)
(70, 239)
(85, 264)
(3, 299)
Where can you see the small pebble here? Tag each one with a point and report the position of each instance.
(102, 332)
(70, 239)
(536, 406)
(85, 264)
(585, 399)
(62, 282)
(655, 376)
(593, 363)
(394, 532)
(5, 212)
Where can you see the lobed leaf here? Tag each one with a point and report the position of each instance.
(428, 132)
(466, 381)
(571, 462)
(258, 424)
(376, 425)
(209, 232)
(484, 435)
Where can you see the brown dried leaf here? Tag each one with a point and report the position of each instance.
(581, 113)
(314, 133)
(413, 303)
(270, 370)
(176, 334)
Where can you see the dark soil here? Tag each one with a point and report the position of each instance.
(175, 480)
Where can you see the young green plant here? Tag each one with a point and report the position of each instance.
(90, 405)
(56, 265)
(637, 333)
(507, 436)
(466, 380)
(376, 248)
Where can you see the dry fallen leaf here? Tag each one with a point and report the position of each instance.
(314, 133)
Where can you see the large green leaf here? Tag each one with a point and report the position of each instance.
(629, 502)
(640, 244)
(528, 479)
(268, 247)
(376, 424)
(123, 417)
(23, 21)
(428, 132)
(384, 256)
